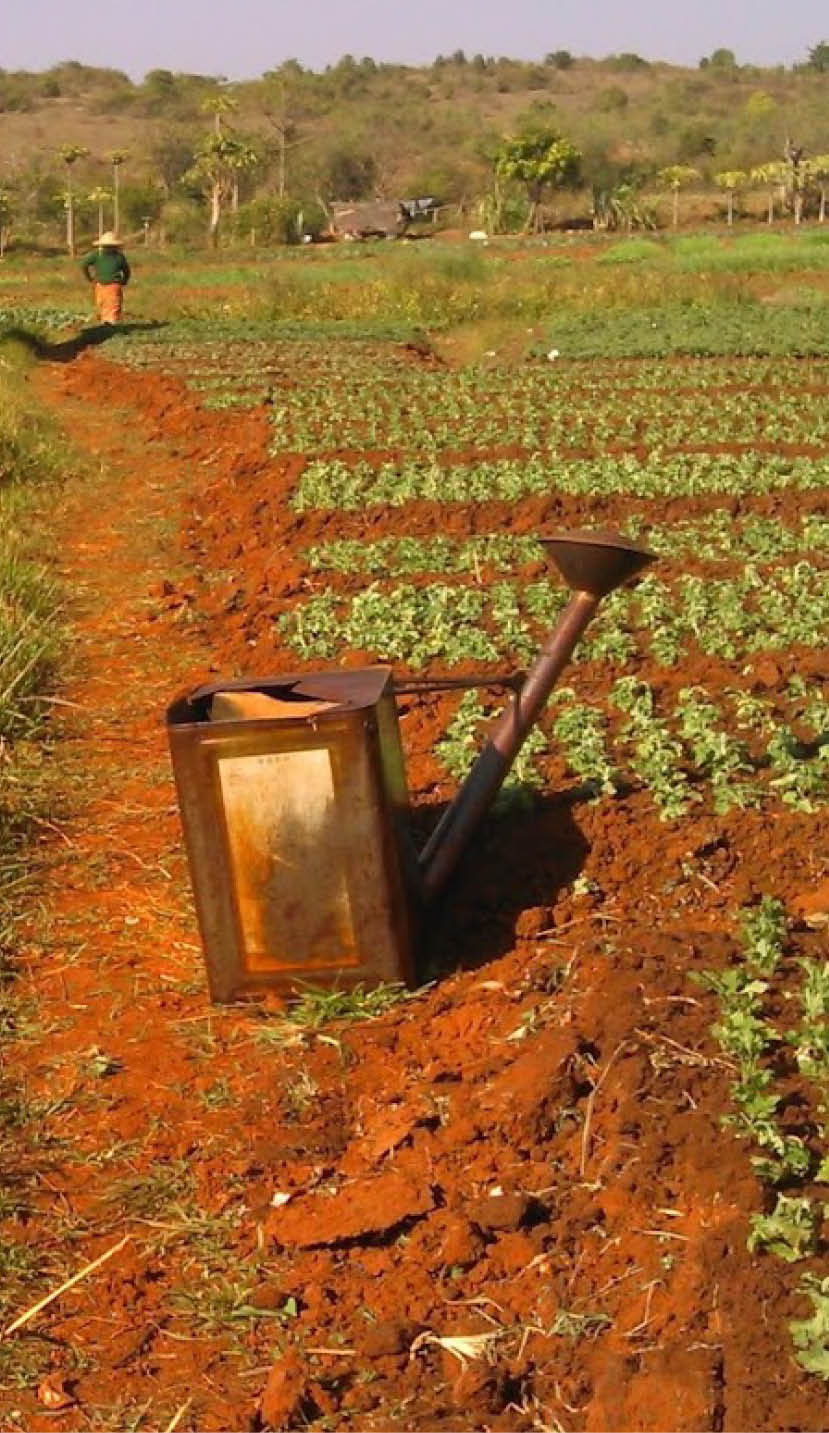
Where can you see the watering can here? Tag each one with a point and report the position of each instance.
(295, 809)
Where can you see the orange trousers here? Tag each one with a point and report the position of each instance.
(109, 302)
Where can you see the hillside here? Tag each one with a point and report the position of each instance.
(360, 127)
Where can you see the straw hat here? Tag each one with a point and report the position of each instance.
(108, 240)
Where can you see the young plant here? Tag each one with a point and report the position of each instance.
(811, 1335)
(657, 756)
(791, 1231)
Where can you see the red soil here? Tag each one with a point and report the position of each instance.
(530, 1149)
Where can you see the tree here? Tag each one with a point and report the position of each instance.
(730, 180)
(722, 60)
(819, 57)
(772, 176)
(793, 155)
(220, 159)
(116, 159)
(559, 59)
(349, 173)
(171, 153)
(539, 160)
(627, 60)
(100, 196)
(6, 215)
(284, 111)
(694, 140)
(676, 177)
(70, 154)
(820, 173)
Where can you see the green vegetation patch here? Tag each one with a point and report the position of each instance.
(29, 647)
(745, 327)
(773, 1025)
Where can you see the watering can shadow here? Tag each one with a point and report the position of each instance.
(526, 854)
(296, 812)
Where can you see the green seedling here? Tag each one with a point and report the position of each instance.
(569, 1324)
(811, 1335)
(215, 1306)
(100, 1065)
(148, 1195)
(763, 930)
(314, 1009)
(791, 1230)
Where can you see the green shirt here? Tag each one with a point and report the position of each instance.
(106, 266)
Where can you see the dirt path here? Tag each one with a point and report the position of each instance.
(122, 1066)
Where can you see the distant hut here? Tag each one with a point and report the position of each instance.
(378, 218)
(371, 219)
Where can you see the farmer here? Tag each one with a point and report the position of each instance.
(106, 267)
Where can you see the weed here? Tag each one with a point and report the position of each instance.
(314, 1008)
(215, 1306)
(99, 1065)
(568, 1324)
(299, 1093)
(150, 1194)
(217, 1096)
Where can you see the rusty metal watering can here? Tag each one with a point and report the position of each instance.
(295, 808)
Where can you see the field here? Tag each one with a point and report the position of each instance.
(577, 1179)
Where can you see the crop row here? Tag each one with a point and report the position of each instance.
(335, 484)
(371, 394)
(681, 757)
(726, 618)
(359, 368)
(780, 1068)
(434, 418)
(716, 536)
(308, 413)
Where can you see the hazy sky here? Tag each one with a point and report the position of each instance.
(241, 38)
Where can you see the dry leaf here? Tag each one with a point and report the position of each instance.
(53, 1393)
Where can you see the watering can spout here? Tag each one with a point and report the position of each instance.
(592, 564)
(596, 562)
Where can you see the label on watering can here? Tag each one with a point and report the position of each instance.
(288, 860)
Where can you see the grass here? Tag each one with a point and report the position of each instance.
(217, 1306)
(606, 294)
(30, 641)
(147, 1195)
(314, 1009)
(743, 326)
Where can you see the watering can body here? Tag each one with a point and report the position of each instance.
(296, 827)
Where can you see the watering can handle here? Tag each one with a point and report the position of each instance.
(412, 685)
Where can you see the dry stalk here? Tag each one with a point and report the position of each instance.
(591, 1100)
(24, 1318)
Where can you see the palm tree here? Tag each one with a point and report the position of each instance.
(116, 159)
(675, 177)
(6, 211)
(100, 196)
(731, 180)
(220, 159)
(219, 106)
(773, 175)
(820, 173)
(70, 154)
(793, 154)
